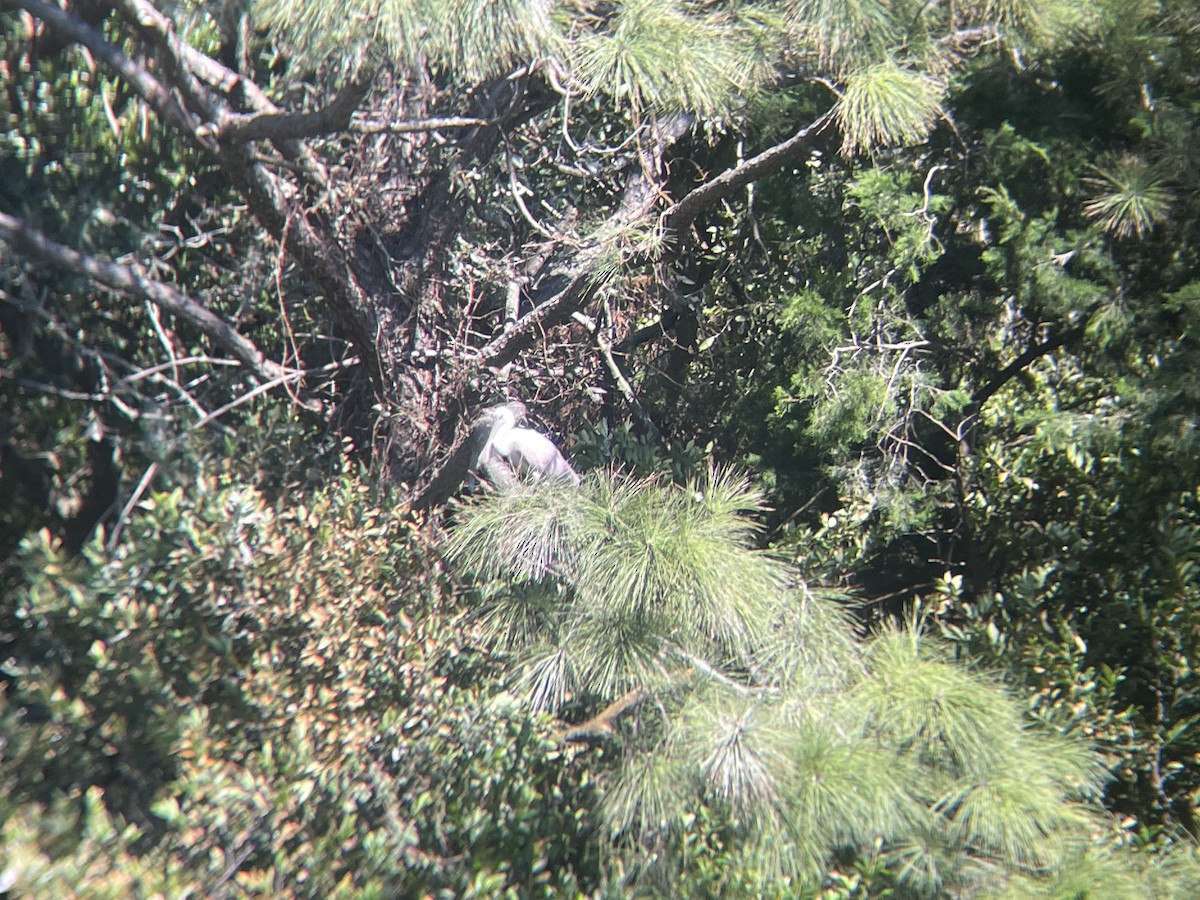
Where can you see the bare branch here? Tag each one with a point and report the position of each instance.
(281, 126)
(132, 280)
(680, 216)
(581, 270)
(636, 204)
(410, 126)
(581, 285)
(175, 443)
(516, 189)
(605, 346)
(159, 29)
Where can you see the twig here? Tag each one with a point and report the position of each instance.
(123, 516)
(605, 346)
(515, 188)
(410, 126)
(181, 361)
(163, 338)
(746, 690)
(232, 868)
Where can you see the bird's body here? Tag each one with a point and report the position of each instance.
(528, 453)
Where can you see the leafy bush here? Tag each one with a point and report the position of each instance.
(278, 697)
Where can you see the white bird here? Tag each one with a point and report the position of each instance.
(528, 453)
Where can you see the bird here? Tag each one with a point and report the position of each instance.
(527, 453)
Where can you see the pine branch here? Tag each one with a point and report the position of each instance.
(604, 724)
(454, 468)
(236, 86)
(280, 126)
(580, 287)
(680, 216)
(641, 191)
(132, 280)
(159, 30)
(315, 251)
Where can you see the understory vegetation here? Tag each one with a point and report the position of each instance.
(871, 328)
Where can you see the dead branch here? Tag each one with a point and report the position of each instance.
(605, 345)
(132, 280)
(680, 216)
(412, 126)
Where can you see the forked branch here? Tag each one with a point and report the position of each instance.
(145, 85)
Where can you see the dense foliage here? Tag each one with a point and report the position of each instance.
(927, 273)
(282, 696)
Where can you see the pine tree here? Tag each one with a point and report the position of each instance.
(640, 613)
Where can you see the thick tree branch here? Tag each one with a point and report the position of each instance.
(1013, 369)
(159, 30)
(647, 334)
(132, 280)
(280, 126)
(582, 283)
(455, 466)
(317, 253)
(680, 216)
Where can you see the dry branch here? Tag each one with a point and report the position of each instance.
(132, 280)
(413, 126)
(680, 216)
